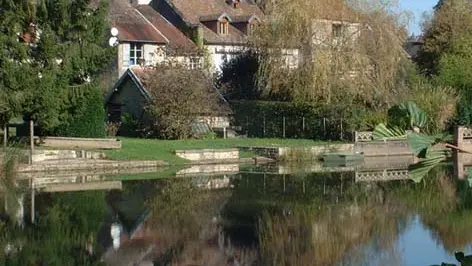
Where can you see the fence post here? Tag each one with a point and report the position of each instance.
(263, 125)
(247, 126)
(283, 120)
(324, 127)
(342, 129)
(303, 126)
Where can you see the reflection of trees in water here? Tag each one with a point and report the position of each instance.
(444, 205)
(310, 237)
(185, 223)
(64, 233)
(314, 219)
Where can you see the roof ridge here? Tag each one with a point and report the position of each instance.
(152, 25)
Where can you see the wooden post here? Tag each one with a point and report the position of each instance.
(32, 202)
(303, 126)
(284, 182)
(5, 136)
(459, 136)
(31, 126)
(341, 129)
(324, 127)
(283, 125)
(263, 125)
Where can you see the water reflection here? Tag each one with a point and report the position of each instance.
(370, 214)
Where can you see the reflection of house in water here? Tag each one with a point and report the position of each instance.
(129, 235)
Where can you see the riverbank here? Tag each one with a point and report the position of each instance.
(152, 149)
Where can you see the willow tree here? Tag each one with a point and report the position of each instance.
(346, 51)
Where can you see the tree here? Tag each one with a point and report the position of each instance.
(361, 64)
(50, 51)
(178, 97)
(445, 57)
(238, 78)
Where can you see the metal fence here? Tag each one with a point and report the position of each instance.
(295, 127)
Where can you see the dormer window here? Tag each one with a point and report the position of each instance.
(236, 3)
(223, 27)
(251, 28)
(337, 30)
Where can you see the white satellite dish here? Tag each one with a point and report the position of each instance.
(114, 32)
(113, 41)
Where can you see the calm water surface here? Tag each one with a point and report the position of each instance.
(248, 218)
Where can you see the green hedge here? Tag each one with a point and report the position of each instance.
(322, 121)
(88, 118)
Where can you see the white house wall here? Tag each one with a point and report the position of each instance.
(152, 54)
(323, 29)
(219, 54)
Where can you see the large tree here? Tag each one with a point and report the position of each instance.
(50, 55)
(362, 64)
(446, 54)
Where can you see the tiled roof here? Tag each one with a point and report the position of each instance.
(339, 10)
(131, 24)
(194, 9)
(173, 35)
(235, 36)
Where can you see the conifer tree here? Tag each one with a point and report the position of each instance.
(51, 52)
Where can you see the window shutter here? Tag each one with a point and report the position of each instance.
(125, 56)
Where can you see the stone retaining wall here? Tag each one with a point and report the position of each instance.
(78, 143)
(208, 154)
(46, 155)
(289, 153)
(384, 148)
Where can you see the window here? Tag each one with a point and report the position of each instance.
(135, 53)
(251, 27)
(195, 63)
(337, 30)
(223, 27)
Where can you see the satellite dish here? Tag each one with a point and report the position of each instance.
(114, 32)
(113, 41)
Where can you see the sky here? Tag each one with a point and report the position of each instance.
(417, 7)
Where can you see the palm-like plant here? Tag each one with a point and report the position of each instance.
(407, 121)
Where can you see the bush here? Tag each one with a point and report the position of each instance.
(440, 104)
(88, 118)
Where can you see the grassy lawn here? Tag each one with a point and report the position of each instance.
(152, 149)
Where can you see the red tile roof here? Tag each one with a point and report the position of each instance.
(131, 24)
(173, 35)
(194, 9)
(193, 12)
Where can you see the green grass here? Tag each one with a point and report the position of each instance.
(152, 149)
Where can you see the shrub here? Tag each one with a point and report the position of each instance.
(88, 118)
(440, 104)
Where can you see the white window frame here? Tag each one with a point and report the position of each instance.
(223, 27)
(195, 63)
(134, 48)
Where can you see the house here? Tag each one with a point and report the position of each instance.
(336, 24)
(222, 27)
(146, 38)
(130, 96)
(413, 46)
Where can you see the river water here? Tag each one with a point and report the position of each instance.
(249, 217)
